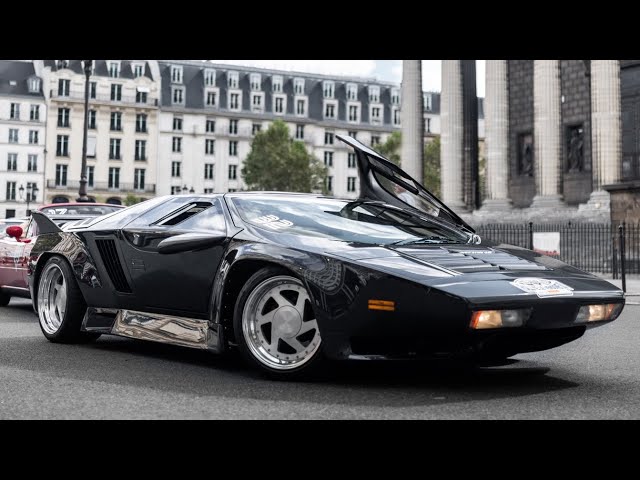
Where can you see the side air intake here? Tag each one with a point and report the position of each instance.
(109, 254)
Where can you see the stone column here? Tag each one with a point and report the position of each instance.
(546, 124)
(606, 135)
(496, 128)
(412, 149)
(451, 139)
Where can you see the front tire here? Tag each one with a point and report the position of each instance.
(61, 306)
(275, 326)
(4, 299)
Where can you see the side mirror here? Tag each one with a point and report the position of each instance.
(15, 231)
(190, 241)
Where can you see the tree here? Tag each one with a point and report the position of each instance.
(276, 162)
(131, 199)
(391, 148)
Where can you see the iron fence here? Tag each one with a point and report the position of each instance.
(594, 247)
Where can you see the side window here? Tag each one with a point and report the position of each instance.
(210, 219)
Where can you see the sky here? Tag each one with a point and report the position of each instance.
(384, 70)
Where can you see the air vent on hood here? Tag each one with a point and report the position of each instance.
(109, 254)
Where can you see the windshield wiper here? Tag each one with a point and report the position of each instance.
(421, 241)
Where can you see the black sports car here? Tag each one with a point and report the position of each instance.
(292, 279)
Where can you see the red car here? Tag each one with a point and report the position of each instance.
(16, 246)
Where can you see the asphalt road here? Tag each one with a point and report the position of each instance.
(595, 377)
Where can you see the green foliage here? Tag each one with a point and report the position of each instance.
(391, 148)
(131, 199)
(432, 166)
(278, 163)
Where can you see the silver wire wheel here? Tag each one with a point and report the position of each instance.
(52, 299)
(278, 324)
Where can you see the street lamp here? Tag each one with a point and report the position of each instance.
(82, 191)
(184, 190)
(32, 189)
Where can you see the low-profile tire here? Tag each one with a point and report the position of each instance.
(4, 299)
(276, 328)
(61, 306)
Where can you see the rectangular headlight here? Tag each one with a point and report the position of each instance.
(483, 319)
(598, 312)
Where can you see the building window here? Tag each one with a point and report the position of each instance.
(395, 96)
(34, 85)
(90, 174)
(13, 135)
(138, 70)
(428, 125)
(256, 102)
(211, 99)
(141, 97)
(63, 117)
(175, 169)
(300, 132)
(209, 146)
(208, 171)
(300, 107)
(330, 111)
(64, 87)
(375, 114)
(32, 164)
(374, 94)
(328, 138)
(256, 128)
(328, 89)
(209, 78)
(375, 140)
(116, 92)
(114, 148)
(62, 146)
(279, 105)
(177, 96)
(255, 80)
(233, 127)
(91, 146)
(61, 175)
(114, 177)
(138, 179)
(351, 160)
(33, 137)
(176, 74)
(34, 113)
(352, 133)
(328, 184)
(12, 162)
(11, 190)
(352, 91)
(353, 113)
(233, 148)
(141, 123)
(141, 150)
(351, 184)
(427, 101)
(276, 84)
(396, 116)
(328, 159)
(232, 79)
(116, 121)
(208, 190)
(176, 146)
(114, 69)
(93, 87)
(176, 190)
(92, 119)
(15, 111)
(298, 86)
(177, 124)
(233, 172)
(234, 103)
(210, 126)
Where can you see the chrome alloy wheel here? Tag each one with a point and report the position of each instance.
(52, 299)
(279, 325)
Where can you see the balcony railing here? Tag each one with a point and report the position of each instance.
(102, 98)
(103, 187)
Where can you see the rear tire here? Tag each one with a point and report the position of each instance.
(4, 299)
(276, 328)
(61, 306)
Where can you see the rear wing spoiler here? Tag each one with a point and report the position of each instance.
(45, 224)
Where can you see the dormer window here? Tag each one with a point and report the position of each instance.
(352, 91)
(209, 77)
(114, 69)
(395, 96)
(256, 81)
(62, 64)
(176, 74)
(232, 79)
(328, 88)
(298, 86)
(34, 85)
(276, 84)
(374, 94)
(138, 70)
(427, 101)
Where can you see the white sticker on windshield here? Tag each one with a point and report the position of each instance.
(273, 222)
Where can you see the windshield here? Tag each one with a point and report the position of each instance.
(350, 221)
